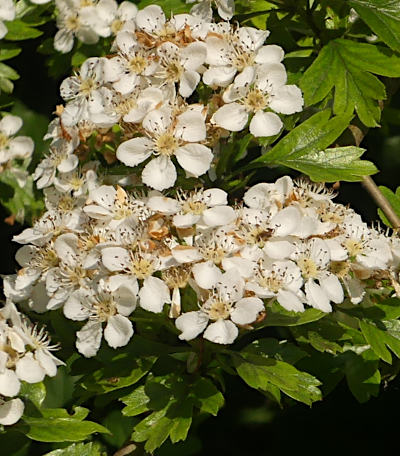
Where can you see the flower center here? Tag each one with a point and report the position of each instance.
(194, 207)
(255, 100)
(340, 268)
(105, 309)
(308, 268)
(219, 310)
(176, 277)
(354, 247)
(116, 26)
(166, 144)
(72, 23)
(173, 71)
(3, 141)
(272, 282)
(243, 59)
(138, 64)
(66, 203)
(142, 268)
(87, 86)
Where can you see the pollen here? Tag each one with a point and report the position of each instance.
(194, 207)
(138, 64)
(354, 247)
(142, 268)
(177, 276)
(255, 100)
(3, 141)
(308, 268)
(166, 144)
(219, 309)
(87, 86)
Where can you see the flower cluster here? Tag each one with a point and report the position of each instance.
(99, 252)
(14, 147)
(147, 89)
(25, 355)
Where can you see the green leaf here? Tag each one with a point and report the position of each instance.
(120, 426)
(331, 165)
(383, 17)
(7, 72)
(380, 334)
(136, 402)
(181, 416)
(121, 372)
(207, 397)
(394, 200)
(175, 6)
(259, 372)
(315, 134)
(362, 374)
(8, 52)
(78, 449)
(56, 425)
(278, 316)
(347, 66)
(18, 30)
(273, 348)
(36, 392)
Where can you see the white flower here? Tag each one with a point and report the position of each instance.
(71, 23)
(231, 50)
(281, 279)
(265, 196)
(180, 65)
(255, 90)
(7, 13)
(167, 137)
(111, 301)
(86, 95)
(226, 9)
(313, 258)
(219, 315)
(13, 147)
(206, 208)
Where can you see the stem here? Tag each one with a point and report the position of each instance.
(381, 201)
(128, 449)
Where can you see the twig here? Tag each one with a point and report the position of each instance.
(381, 201)
(128, 449)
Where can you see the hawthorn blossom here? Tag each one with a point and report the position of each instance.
(220, 314)
(202, 9)
(13, 146)
(165, 137)
(253, 92)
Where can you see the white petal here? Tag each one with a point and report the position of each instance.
(29, 369)
(74, 307)
(168, 206)
(278, 250)
(355, 289)
(21, 147)
(88, 339)
(194, 158)
(232, 117)
(243, 266)
(270, 54)
(11, 411)
(221, 332)
(193, 55)
(115, 258)
(191, 126)
(159, 173)
(216, 197)
(118, 331)
(220, 76)
(316, 296)
(337, 252)
(135, 151)
(290, 301)
(332, 287)
(206, 274)
(9, 125)
(219, 215)
(9, 383)
(66, 247)
(185, 254)
(47, 362)
(287, 100)
(154, 294)
(3, 30)
(265, 124)
(64, 41)
(246, 310)
(185, 220)
(285, 221)
(150, 19)
(191, 324)
(68, 164)
(188, 83)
